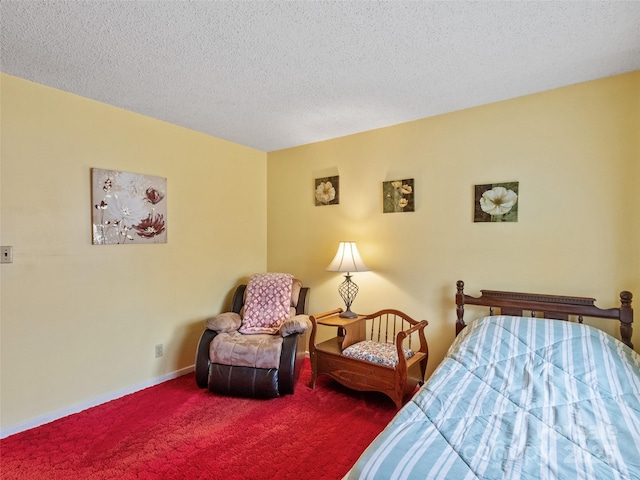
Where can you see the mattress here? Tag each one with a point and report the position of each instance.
(518, 398)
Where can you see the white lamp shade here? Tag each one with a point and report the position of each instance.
(347, 259)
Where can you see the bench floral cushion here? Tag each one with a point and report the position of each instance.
(376, 352)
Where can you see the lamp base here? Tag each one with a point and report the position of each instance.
(348, 291)
(348, 314)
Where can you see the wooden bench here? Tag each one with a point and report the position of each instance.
(372, 340)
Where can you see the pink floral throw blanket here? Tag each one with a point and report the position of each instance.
(267, 302)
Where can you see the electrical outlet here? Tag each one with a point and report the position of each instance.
(6, 254)
(158, 350)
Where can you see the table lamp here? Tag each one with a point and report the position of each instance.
(347, 260)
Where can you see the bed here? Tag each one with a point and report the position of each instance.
(521, 394)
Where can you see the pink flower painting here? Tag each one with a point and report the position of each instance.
(128, 208)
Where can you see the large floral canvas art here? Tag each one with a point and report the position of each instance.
(397, 196)
(496, 202)
(327, 191)
(128, 208)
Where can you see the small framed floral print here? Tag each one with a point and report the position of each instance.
(327, 191)
(128, 207)
(397, 196)
(496, 202)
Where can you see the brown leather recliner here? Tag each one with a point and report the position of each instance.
(231, 359)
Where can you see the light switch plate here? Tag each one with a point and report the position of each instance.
(6, 254)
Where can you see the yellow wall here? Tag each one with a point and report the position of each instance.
(630, 241)
(81, 321)
(576, 154)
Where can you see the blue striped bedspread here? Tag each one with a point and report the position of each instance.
(518, 398)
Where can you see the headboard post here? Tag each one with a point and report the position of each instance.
(460, 306)
(626, 317)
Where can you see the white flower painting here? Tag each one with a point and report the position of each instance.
(327, 191)
(497, 202)
(128, 207)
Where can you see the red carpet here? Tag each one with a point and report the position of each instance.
(177, 431)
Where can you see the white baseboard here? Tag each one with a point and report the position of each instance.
(78, 407)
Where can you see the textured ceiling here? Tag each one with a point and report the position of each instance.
(272, 75)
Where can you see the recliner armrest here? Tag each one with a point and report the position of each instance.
(224, 322)
(297, 324)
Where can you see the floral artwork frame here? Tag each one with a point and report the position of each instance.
(128, 208)
(398, 196)
(327, 191)
(496, 202)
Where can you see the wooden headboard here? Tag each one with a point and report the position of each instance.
(549, 306)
